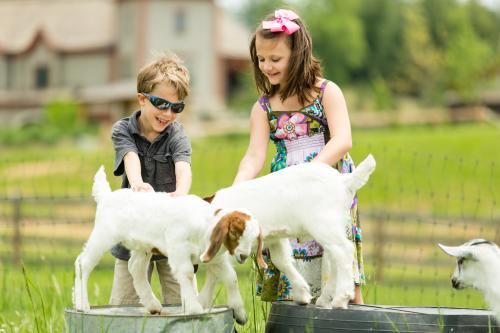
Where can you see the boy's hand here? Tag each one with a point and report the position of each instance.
(141, 187)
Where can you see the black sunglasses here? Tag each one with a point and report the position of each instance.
(163, 104)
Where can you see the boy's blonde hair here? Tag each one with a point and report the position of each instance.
(166, 68)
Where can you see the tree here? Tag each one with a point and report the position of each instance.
(338, 38)
(255, 11)
(466, 60)
(383, 24)
(418, 60)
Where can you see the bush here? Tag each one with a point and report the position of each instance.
(63, 115)
(382, 96)
(62, 119)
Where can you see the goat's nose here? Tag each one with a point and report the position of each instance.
(455, 283)
(243, 257)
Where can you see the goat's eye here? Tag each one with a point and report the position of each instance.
(460, 261)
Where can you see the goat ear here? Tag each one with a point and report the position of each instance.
(260, 244)
(218, 235)
(209, 198)
(236, 227)
(457, 251)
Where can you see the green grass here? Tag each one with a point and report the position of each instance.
(50, 294)
(432, 184)
(439, 169)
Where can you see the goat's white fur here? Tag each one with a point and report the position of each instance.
(478, 266)
(179, 227)
(310, 200)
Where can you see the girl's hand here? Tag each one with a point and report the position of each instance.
(141, 187)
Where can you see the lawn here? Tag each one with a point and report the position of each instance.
(34, 301)
(432, 184)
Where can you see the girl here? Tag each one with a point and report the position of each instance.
(306, 117)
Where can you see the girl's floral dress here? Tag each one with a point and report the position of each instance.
(299, 136)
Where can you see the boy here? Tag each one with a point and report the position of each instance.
(153, 154)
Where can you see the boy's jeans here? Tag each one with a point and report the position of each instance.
(123, 291)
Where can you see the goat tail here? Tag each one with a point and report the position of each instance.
(355, 180)
(101, 186)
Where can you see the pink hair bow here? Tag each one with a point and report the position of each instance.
(283, 22)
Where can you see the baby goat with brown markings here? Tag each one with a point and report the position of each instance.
(308, 201)
(186, 229)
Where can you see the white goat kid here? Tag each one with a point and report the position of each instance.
(308, 201)
(478, 266)
(183, 228)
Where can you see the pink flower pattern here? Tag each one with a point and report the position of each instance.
(291, 126)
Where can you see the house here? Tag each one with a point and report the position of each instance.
(91, 50)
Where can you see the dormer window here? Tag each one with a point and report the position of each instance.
(180, 21)
(42, 77)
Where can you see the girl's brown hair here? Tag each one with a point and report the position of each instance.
(303, 70)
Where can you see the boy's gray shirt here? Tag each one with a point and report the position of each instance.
(157, 159)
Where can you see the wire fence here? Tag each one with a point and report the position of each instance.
(412, 202)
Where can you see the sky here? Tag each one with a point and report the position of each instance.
(231, 4)
(236, 4)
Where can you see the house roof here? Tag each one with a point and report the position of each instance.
(65, 25)
(234, 36)
(76, 26)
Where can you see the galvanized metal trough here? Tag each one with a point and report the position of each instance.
(135, 319)
(286, 317)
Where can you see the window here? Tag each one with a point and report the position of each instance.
(41, 77)
(180, 21)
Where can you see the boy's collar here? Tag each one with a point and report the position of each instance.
(134, 125)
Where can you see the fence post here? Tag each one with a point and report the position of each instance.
(16, 238)
(379, 248)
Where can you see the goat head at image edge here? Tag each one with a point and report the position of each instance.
(478, 266)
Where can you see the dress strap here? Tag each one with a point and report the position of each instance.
(322, 91)
(264, 103)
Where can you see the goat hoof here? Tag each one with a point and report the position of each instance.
(324, 302)
(241, 321)
(302, 298)
(164, 312)
(305, 301)
(194, 309)
(204, 302)
(81, 309)
(155, 309)
(84, 307)
(155, 312)
(240, 316)
(340, 303)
